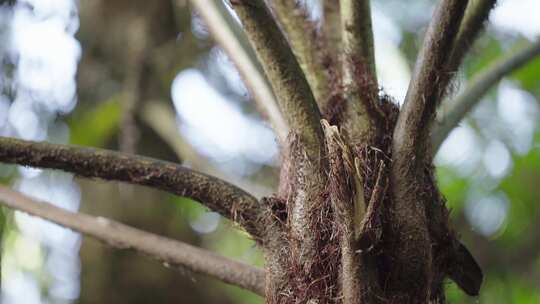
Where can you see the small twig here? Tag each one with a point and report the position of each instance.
(476, 15)
(479, 85)
(292, 90)
(170, 252)
(218, 195)
(302, 35)
(214, 15)
(358, 65)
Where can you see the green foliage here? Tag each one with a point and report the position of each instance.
(529, 76)
(488, 50)
(520, 186)
(95, 127)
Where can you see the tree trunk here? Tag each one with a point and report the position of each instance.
(358, 217)
(356, 232)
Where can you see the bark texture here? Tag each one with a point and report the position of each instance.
(218, 195)
(358, 217)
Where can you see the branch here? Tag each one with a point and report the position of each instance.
(410, 236)
(302, 35)
(284, 73)
(305, 148)
(215, 16)
(429, 81)
(478, 86)
(218, 195)
(357, 35)
(476, 15)
(168, 251)
(359, 73)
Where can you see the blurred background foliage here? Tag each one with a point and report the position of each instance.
(146, 73)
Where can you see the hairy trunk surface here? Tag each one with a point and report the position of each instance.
(355, 231)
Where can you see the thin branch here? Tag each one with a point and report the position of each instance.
(215, 16)
(136, 57)
(294, 95)
(479, 85)
(216, 194)
(168, 251)
(476, 15)
(429, 81)
(358, 65)
(303, 37)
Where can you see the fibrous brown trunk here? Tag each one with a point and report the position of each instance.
(355, 230)
(358, 217)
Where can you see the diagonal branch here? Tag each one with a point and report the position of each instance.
(409, 235)
(303, 37)
(358, 65)
(300, 110)
(473, 23)
(429, 81)
(216, 194)
(292, 90)
(215, 16)
(168, 251)
(479, 85)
